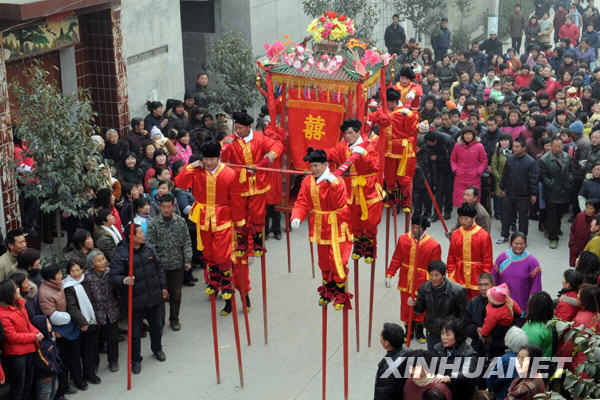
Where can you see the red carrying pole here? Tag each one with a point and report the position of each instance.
(372, 290)
(129, 306)
(213, 312)
(236, 331)
(324, 352)
(387, 238)
(312, 259)
(246, 322)
(263, 272)
(395, 224)
(412, 289)
(406, 222)
(345, 350)
(356, 312)
(435, 204)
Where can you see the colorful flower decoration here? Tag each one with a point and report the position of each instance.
(330, 26)
(330, 65)
(354, 42)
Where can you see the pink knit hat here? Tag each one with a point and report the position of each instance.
(497, 294)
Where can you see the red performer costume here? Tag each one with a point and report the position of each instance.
(410, 92)
(398, 130)
(326, 196)
(470, 251)
(364, 188)
(252, 149)
(405, 259)
(214, 187)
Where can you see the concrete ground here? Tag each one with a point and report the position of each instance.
(289, 367)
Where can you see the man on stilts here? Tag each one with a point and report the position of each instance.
(398, 131)
(364, 187)
(252, 149)
(406, 259)
(470, 252)
(214, 187)
(325, 195)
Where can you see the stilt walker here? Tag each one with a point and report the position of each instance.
(325, 195)
(358, 155)
(214, 187)
(413, 253)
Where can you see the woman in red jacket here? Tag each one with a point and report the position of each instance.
(20, 340)
(567, 307)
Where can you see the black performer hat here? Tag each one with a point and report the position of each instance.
(315, 156)
(407, 72)
(210, 149)
(351, 123)
(242, 118)
(392, 94)
(466, 210)
(421, 220)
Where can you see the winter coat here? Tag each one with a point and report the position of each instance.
(489, 140)
(570, 31)
(592, 38)
(589, 55)
(19, 333)
(546, 29)
(179, 122)
(590, 188)
(149, 275)
(135, 139)
(582, 151)
(566, 308)
(73, 303)
(104, 301)
(555, 175)
(460, 386)
(440, 40)
(389, 388)
(171, 241)
(498, 161)
(480, 60)
(51, 298)
(130, 175)
(151, 121)
(468, 161)
(531, 33)
(491, 47)
(519, 177)
(155, 206)
(394, 38)
(437, 308)
(465, 66)
(445, 73)
(116, 152)
(593, 159)
(579, 236)
(516, 25)
(515, 131)
(104, 242)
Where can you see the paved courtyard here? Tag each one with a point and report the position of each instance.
(289, 367)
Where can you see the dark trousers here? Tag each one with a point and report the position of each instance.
(90, 352)
(30, 207)
(19, 374)
(275, 217)
(574, 194)
(70, 355)
(444, 185)
(516, 43)
(110, 333)
(174, 285)
(154, 316)
(421, 201)
(487, 191)
(554, 213)
(432, 340)
(510, 209)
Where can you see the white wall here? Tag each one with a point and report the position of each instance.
(146, 25)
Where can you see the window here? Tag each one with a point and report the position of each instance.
(198, 16)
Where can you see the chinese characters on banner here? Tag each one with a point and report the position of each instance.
(313, 123)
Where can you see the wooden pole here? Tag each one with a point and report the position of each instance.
(245, 311)
(387, 238)
(324, 351)
(312, 258)
(263, 272)
(345, 350)
(236, 331)
(287, 237)
(372, 289)
(356, 309)
(213, 312)
(395, 224)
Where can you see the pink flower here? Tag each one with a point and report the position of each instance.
(328, 25)
(274, 50)
(297, 64)
(386, 58)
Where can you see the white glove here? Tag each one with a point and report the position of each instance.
(330, 178)
(405, 111)
(295, 223)
(388, 282)
(359, 150)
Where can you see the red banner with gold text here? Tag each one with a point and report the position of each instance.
(314, 120)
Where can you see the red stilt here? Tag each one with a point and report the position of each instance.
(356, 313)
(406, 222)
(387, 238)
(395, 225)
(129, 306)
(324, 350)
(236, 331)
(263, 271)
(371, 300)
(213, 313)
(345, 329)
(312, 258)
(246, 322)
(287, 237)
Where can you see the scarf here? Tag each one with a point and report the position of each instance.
(85, 305)
(114, 233)
(512, 257)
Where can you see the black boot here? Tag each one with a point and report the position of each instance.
(248, 303)
(227, 309)
(259, 245)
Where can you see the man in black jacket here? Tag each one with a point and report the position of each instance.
(439, 146)
(394, 36)
(475, 312)
(387, 385)
(440, 298)
(149, 290)
(519, 188)
(492, 46)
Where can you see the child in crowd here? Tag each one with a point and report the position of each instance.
(567, 308)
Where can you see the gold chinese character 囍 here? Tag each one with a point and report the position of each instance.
(313, 127)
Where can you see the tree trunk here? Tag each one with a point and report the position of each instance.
(57, 244)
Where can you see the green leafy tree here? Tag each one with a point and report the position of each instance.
(57, 128)
(365, 13)
(232, 69)
(424, 15)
